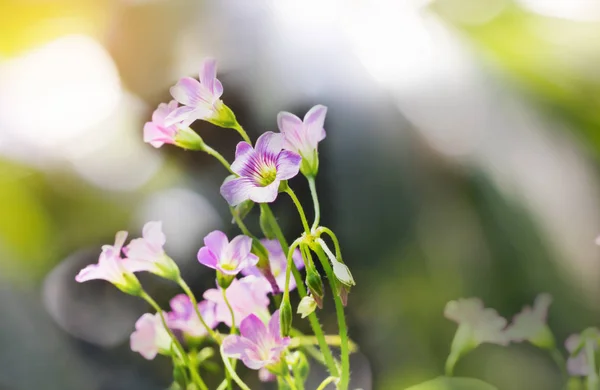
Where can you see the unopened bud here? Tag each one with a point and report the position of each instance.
(285, 313)
(264, 265)
(223, 116)
(306, 306)
(224, 280)
(187, 138)
(315, 284)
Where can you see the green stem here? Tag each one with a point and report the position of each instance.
(230, 310)
(312, 318)
(336, 243)
(342, 327)
(194, 371)
(240, 223)
(288, 269)
(333, 340)
(292, 195)
(144, 295)
(237, 127)
(232, 372)
(218, 156)
(315, 199)
(189, 293)
(590, 353)
(327, 381)
(560, 362)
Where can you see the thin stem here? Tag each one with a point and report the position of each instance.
(327, 381)
(218, 156)
(144, 295)
(560, 362)
(336, 243)
(194, 371)
(288, 269)
(230, 310)
(292, 195)
(333, 340)
(189, 293)
(240, 223)
(342, 327)
(237, 127)
(590, 354)
(232, 372)
(315, 199)
(312, 318)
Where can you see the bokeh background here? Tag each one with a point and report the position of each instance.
(461, 159)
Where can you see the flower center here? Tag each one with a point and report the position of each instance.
(267, 175)
(228, 264)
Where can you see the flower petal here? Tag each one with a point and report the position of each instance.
(243, 154)
(238, 190)
(275, 325)
(288, 164)
(153, 234)
(187, 91)
(313, 122)
(208, 73)
(263, 194)
(156, 136)
(207, 257)
(239, 248)
(269, 144)
(255, 330)
(216, 241)
(288, 122)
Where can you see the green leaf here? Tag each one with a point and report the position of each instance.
(448, 383)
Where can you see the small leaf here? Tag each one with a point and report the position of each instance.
(451, 383)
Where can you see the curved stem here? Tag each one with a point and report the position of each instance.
(232, 372)
(144, 295)
(240, 223)
(189, 293)
(218, 156)
(312, 318)
(237, 127)
(288, 269)
(327, 381)
(336, 243)
(292, 195)
(342, 327)
(315, 199)
(230, 310)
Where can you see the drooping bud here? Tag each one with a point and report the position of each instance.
(306, 306)
(264, 265)
(285, 312)
(315, 284)
(344, 291)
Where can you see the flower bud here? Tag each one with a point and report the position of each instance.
(285, 312)
(187, 138)
(306, 306)
(264, 265)
(223, 116)
(315, 284)
(342, 273)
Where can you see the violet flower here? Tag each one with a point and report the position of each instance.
(200, 99)
(577, 365)
(227, 257)
(112, 268)
(184, 318)
(247, 295)
(303, 136)
(150, 337)
(260, 170)
(157, 133)
(278, 264)
(258, 346)
(530, 324)
(147, 253)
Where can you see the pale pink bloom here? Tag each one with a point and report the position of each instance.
(111, 267)
(484, 325)
(578, 365)
(303, 136)
(247, 295)
(150, 337)
(200, 99)
(228, 257)
(266, 376)
(278, 264)
(257, 346)
(530, 323)
(147, 253)
(183, 316)
(157, 133)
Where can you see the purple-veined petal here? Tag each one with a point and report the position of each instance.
(255, 330)
(288, 122)
(313, 122)
(207, 257)
(157, 136)
(240, 247)
(274, 326)
(243, 154)
(269, 144)
(208, 73)
(179, 115)
(288, 164)
(217, 89)
(237, 190)
(241, 348)
(216, 241)
(263, 194)
(187, 91)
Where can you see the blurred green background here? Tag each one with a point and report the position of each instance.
(461, 159)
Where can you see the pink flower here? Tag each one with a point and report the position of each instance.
(150, 337)
(278, 263)
(111, 267)
(530, 324)
(303, 136)
(260, 170)
(258, 346)
(183, 316)
(147, 253)
(157, 133)
(228, 257)
(247, 295)
(200, 99)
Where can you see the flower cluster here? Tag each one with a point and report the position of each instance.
(252, 274)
